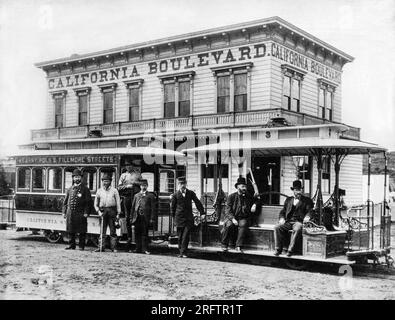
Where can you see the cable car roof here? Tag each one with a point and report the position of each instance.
(291, 147)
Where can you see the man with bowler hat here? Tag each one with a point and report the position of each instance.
(76, 208)
(181, 210)
(108, 207)
(297, 209)
(142, 215)
(239, 207)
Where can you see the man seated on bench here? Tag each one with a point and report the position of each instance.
(296, 210)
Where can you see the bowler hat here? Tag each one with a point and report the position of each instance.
(342, 192)
(240, 180)
(297, 184)
(76, 172)
(182, 180)
(107, 176)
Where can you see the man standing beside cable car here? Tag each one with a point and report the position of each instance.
(128, 187)
(76, 208)
(142, 215)
(297, 209)
(181, 210)
(108, 207)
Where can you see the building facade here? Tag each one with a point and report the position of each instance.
(255, 81)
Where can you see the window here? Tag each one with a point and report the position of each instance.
(68, 179)
(292, 79)
(24, 175)
(108, 100)
(108, 96)
(89, 178)
(59, 105)
(82, 110)
(212, 174)
(232, 85)
(304, 172)
(169, 100)
(55, 179)
(223, 94)
(325, 100)
(167, 183)
(38, 179)
(326, 174)
(134, 93)
(184, 98)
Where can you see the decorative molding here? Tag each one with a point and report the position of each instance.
(134, 82)
(111, 86)
(189, 74)
(83, 90)
(229, 67)
(287, 67)
(59, 93)
(327, 84)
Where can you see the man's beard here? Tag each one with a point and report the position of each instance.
(77, 181)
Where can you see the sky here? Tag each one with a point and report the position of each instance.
(32, 31)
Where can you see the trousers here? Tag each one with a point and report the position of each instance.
(109, 216)
(281, 230)
(81, 239)
(232, 233)
(183, 238)
(141, 234)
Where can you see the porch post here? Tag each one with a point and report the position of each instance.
(383, 220)
(319, 183)
(368, 200)
(337, 172)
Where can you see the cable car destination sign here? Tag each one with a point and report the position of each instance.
(213, 58)
(80, 159)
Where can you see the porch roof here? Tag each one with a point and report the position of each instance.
(293, 147)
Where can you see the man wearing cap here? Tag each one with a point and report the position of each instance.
(297, 209)
(239, 207)
(128, 186)
(181, 210)
(142, 215)
(76, 208)
(108, 207)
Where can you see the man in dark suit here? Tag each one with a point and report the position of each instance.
(77, 206)
(181, 210)
(143, 214)
(296, 210)
(239, 208)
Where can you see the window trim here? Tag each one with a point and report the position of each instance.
(44, 189)
(135, 83)
(232, 70)
(327, 86)
(176, 78)
(59, 94)
(82, 92)
(61, 182)
(29, 188)
(109, 87)
(295, 74)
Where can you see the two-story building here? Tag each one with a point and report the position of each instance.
(261, 83)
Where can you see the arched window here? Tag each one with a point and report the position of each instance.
(38, 179)
(24, 175)
(55, 179)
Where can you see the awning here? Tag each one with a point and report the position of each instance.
(106, 151)
(292, 147)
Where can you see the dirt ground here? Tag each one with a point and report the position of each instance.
(32, 268)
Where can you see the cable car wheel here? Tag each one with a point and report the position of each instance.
(53, 236)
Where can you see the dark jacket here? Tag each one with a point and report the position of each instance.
(233, 208)
(78, 202)
(181, 207)
(147, 203)
(304, 208)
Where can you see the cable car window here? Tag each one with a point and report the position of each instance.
(167, 181)
(149, 176)
(89, 178)
(55, 179)
(38, 179)
(108, 170)
(24, 175)
(68, 179)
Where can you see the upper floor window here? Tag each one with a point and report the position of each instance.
(232, 85)
(326, 93)
(108, 95)
(134, 88)
(177, 94)
(83, 105)
(59, 106)
(292, 80)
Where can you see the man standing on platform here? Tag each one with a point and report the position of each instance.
(128, 186)
(108, 207)
(296, 210)
(239, 207)
(143, 214)
(181, 210)
(76, 208)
